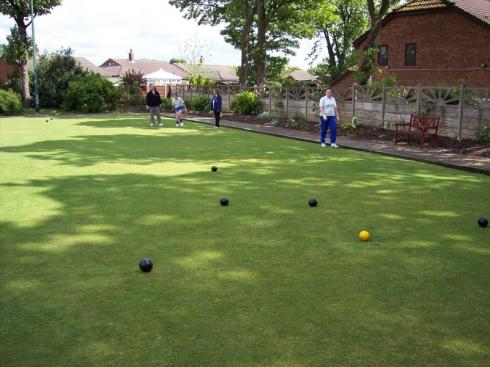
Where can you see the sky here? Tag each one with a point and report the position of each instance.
(99, 29)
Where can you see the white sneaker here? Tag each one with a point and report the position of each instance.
(333, 145)
(182, 124)
(160, 124)
(215, 127)
(323, 145)
(152, 124)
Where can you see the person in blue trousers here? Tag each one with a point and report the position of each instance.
(329, 115)
(216, 107)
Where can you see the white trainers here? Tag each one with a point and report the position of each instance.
(152, 124)
(323, 145)
(182, 124)
(333, 145)
(160, 124)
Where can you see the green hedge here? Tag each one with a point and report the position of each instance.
(10, 103)
(246, 103)
(92, 93)
(200, 103)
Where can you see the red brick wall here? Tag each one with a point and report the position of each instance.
(451, 47)
(5, 70)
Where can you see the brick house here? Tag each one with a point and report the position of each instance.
(433, 42)
(5, 70)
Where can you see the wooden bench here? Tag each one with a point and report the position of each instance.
(424, 126)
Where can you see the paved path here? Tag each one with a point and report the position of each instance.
(435, 155)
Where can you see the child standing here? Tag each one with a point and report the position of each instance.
(179, 106)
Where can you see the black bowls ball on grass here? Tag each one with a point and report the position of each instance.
(312, 203)
(224, 201)
(146, 265)
(214, 168)
(483, 222)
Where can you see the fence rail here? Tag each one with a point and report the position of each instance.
(463, 110)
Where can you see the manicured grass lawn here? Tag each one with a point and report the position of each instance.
(267, 281)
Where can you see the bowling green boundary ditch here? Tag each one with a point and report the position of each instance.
(265, 281)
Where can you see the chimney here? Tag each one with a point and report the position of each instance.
(131, 55)
(201, 60)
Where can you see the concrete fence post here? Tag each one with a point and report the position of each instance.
(287, 102)
(419, 98)
(270, 101)
(354, 97)
(383, 107)
(306, 102)
(461, 110)
(228, 97)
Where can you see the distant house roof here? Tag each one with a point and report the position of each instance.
(302, 76)
(217, 73)
(118, 67)
(478, 9)
(84, 63)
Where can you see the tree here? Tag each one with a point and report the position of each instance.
(237, 14)
(377, 10)
(288, 19)
(339, 23)
(177, 60)
(55, 72)
(270, 23)
(19, 41)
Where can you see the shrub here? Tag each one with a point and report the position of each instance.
(200, 103)
(298, 122)
(92, 93)
(166, 104)
(129, 98)
(483, 135)
(130, 88)
(266, 116)
(246, 103)
(10, 103)
(55, 73)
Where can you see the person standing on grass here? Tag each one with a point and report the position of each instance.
(329, 115)
(179, 106)
(153, 102)
(216, 107)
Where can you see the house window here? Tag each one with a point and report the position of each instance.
(410, 54)
(383, 55)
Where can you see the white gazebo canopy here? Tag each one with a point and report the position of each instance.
(162, 77)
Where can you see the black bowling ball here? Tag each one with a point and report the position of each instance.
(224, 201)
(146, 265)
(483, 222)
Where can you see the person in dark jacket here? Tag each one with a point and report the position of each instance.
(153, 102)
(216, 107)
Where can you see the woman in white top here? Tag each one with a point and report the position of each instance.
(179, 106)
(328, 119)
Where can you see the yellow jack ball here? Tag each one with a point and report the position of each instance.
(364, 236)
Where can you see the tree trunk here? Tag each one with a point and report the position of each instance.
(332, 62)
(244, 44)
(367, 60)
(261, 43)
(26, 95)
